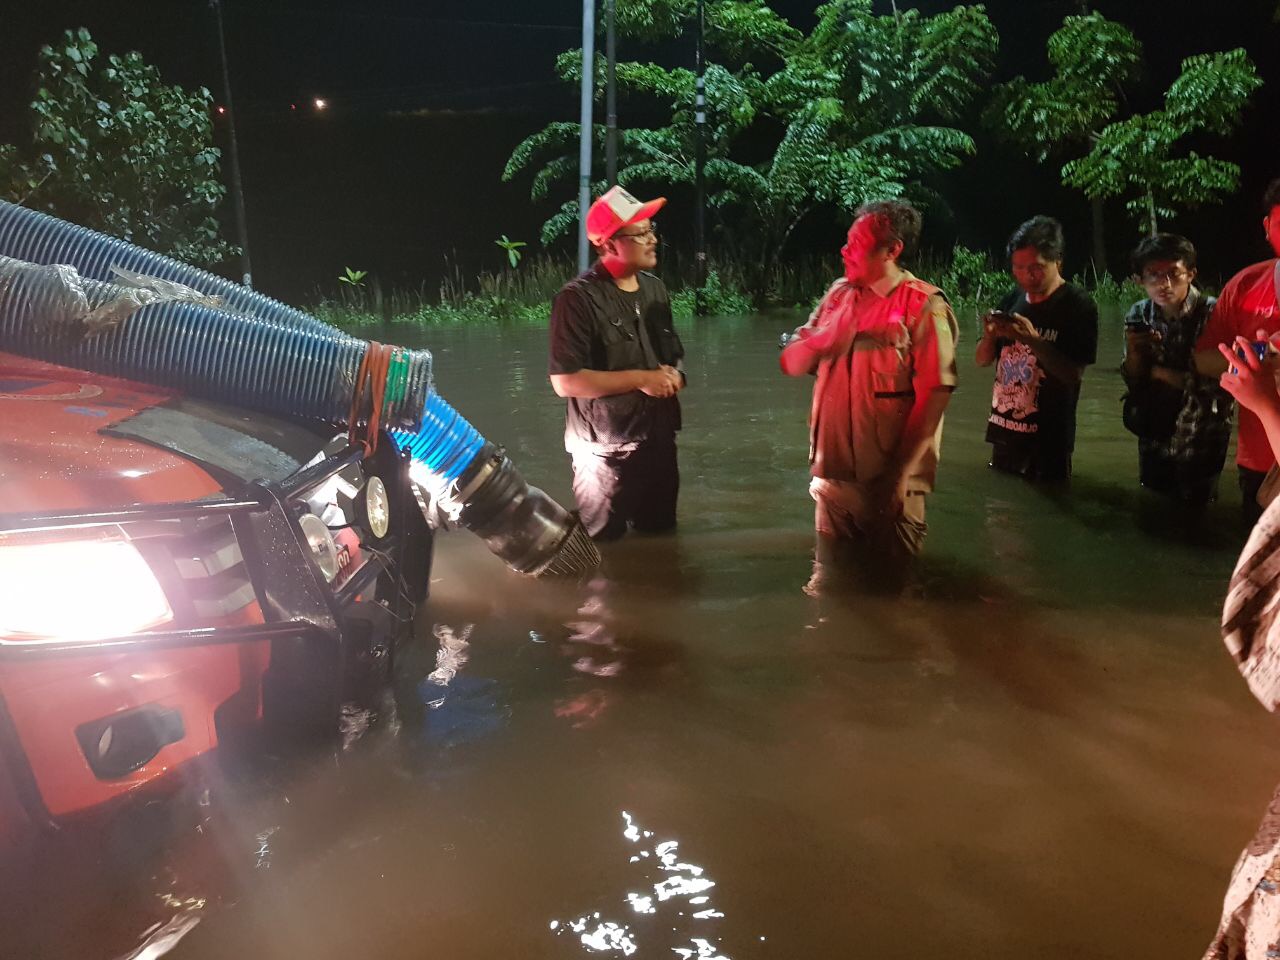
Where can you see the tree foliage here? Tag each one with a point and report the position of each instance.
(864, 103)
(116, 149)
(862, 107)
(1094, 61)
(1136, 156)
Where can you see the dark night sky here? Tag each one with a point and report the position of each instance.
(396, 194)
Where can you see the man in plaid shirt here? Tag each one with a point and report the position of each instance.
(1184, 456)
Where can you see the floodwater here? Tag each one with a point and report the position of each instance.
(1046, 754)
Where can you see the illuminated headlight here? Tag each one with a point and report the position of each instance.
(377, 507)
(87, 589)
(320, 540)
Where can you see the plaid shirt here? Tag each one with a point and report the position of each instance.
(1203, 428)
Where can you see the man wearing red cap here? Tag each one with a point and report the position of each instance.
(616, 359)
(882, 345)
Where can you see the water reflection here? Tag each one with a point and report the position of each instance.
(459, 707)
(595, 634)
(162, 938)
(667, 882)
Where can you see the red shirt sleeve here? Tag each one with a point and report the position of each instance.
(1224, 321)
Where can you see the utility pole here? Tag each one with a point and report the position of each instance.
(611, 95)
(584, 142)
(237, 189)
(700, 163)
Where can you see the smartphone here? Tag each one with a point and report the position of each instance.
(1259, 348)
(995, 318)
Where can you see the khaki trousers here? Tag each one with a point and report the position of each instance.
(850, 527)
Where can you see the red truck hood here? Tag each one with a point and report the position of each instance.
(53, 455)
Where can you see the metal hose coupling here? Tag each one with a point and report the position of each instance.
(527, 529)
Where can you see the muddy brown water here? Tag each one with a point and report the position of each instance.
(1047, 754)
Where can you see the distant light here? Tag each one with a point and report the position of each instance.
(293, 106)
(222, 109)
(321, 103)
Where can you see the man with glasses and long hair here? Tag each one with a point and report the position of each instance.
(616, 359)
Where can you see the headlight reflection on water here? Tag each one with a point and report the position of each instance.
(680, 883)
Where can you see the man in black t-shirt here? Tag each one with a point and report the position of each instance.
(616, 359)
(1041, 337)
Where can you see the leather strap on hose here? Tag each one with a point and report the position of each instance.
(372, 375)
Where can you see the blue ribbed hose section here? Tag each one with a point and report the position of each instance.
(39, 238)
(446, 443)
(205, 352)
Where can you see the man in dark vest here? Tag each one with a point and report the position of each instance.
(616, 359)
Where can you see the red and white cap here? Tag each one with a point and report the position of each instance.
(615, 210)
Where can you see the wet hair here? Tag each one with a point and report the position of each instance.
(1163, 246)
(1271, 197)
(1044, 234)
(893, 221)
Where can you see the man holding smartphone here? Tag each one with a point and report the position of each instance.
(1041, 338)
(1182, 420)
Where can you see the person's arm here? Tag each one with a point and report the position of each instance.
(592, 384)
(1221, 328)
(570, 371)
(933, 344)
(821, 336)
(1170, 375)
(1139, 343)
(1138, 367)
(1209, 362)
(917, 436)
(1056, 363)
(672, 354)
(994, 335)
(988, 346)
(1253, 383)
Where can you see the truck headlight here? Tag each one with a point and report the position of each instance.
(83, 589)
(320, 540)
(377, 507)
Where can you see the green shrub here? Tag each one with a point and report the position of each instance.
(1107, 289)
(719, 299)
(970, 277)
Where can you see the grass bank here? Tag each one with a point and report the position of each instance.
(521, 296)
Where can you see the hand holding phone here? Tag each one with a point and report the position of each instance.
(996, 323)
(1259, 348)
(1250, 376)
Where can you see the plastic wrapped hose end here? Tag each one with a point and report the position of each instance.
(532, 533)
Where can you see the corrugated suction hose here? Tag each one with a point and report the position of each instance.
(254, 351)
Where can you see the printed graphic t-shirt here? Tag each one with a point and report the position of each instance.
(1030, 406)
